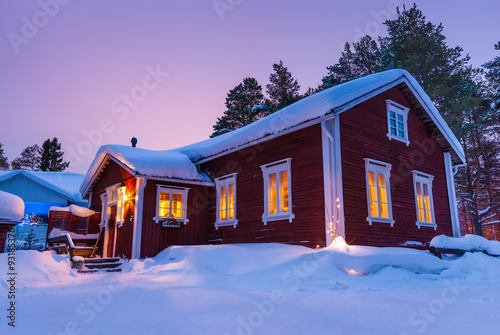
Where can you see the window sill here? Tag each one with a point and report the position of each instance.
(426, 224)
(164, 218)
(233, 223)
(397, 138)
(278, 217)
(380, 220)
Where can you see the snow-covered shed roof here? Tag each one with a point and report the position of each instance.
(180, 163)
(65, 183)
(11, 208)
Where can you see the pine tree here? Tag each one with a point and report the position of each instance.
(240, 103)
(282, 89)
(28, 160)
(4, 162)
(51, 156)
(492, 76)
(365, 57)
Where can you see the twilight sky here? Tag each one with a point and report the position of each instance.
(99, 72)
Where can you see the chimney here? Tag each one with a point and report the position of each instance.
(134, 142)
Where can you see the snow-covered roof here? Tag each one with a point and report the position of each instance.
(11, 207)
(335, 100)
(64, 183)
(148, 163)
(180, 163)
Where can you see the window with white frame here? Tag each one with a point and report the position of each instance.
(226, 201)
(424, 204)
(277, 191)
(115, 196)
(378, 191)
(171, 204)
(397, 121)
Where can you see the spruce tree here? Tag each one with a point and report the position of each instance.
(4, 162)
(28, 160)
(51, 156)
(282, 89)
(240, 103)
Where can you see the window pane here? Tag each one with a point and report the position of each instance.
(223, 191)
(230, 202)
(373, 193)
(381, 180)
(222, 215)
(164, 196)
(284, 192)
(273, 209)
(384, 213)
(371, 179)
(283, 177)
(272, 194)
(222, 204)
(177, 205)
(231, 189)
(401, 126)
(283, 206)
(272, 180)
(400, 118)
(383, 195)
(393, 123)
(428, 216)
(392, 115)
(374, 208)
(163, 212)
(230, 214)
(401, 134)
(394, 131)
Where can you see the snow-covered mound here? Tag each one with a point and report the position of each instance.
(36, 268)
(467, 243)
(11, 207)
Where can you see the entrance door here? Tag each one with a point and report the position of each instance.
(111, 231)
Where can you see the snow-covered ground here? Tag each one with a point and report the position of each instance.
(259, 289)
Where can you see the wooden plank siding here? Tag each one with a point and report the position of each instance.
(364, 135)
(115, 174)
(307, 228)
(155, 238)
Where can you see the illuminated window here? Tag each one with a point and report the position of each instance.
(171, 204)
(277, 191)
(424, 205)
(226, 201)
(397, 121)
(378, 191)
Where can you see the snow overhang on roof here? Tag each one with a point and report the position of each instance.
(11, 208)
(164, 164)
(64, 183)
(324, 104)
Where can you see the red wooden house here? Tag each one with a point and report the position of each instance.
(371, 160)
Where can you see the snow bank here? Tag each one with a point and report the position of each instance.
(11, 207)
(467, 243)
(81, 212)
(36, 268)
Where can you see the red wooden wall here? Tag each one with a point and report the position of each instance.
(155, 238)
(364, 135)
(304, 147)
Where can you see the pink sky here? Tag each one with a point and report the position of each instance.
(70, 76)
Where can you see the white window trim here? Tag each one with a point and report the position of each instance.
(385, 168)
(424, 178)
(403, 111)
(284, 164)
(224, 181)
(172, 189)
